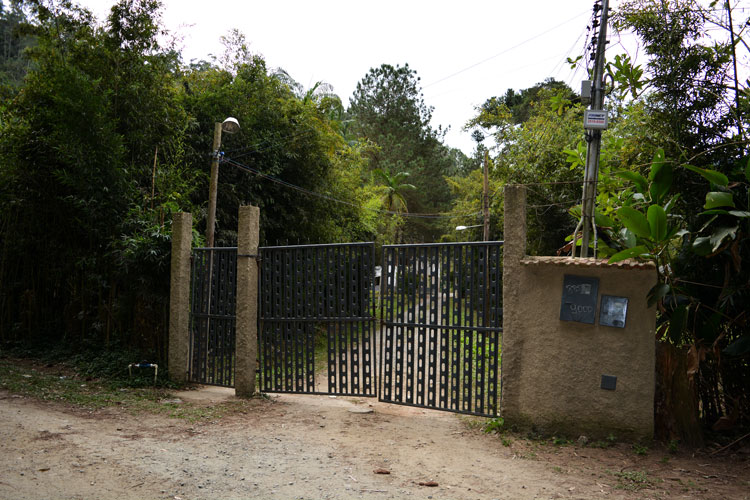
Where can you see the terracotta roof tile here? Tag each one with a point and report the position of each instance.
(587, 262)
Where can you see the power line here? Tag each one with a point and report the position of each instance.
(254, 171)
(273, 143)
(505, 51)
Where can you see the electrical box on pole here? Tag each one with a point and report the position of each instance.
(586, 92)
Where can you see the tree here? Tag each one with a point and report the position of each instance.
(285, 139)
(109, 134)
(530, 152)
(394, 196)
(393, 200)
(388, 109)
(13, 42)
(81, 219)
(687, 74)
(694, 229)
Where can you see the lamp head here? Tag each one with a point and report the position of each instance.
(230, 125)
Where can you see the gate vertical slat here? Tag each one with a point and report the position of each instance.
(288, 344)
(277, 358)
(401, 266)
(195, 323)
(310, 307)
(455, 340)
(410, 331)
(366, 304)
(267, 284)
(483, 291)
(432, 317)
(330, 294)
(341, 256)
(387, 291)
(494, 343)
(421, 355)
(299, 331)
(221, 324)
(444, 331)
(354, 292)
(320, 278)
(467, 336)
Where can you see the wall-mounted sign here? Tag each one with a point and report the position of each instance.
(614, 311)
(579, 297)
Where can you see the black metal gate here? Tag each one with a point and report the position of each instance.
(317, 309)
(442, 316)
(212, 316)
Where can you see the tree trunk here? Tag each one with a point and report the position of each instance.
(675, 407)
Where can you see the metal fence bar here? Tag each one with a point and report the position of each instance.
(432, 352)
(456, 319)
(444, 315)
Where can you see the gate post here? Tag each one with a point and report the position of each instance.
(179, 297)
(514, 249)
(246, 346)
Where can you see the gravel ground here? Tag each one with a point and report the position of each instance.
(313, 447)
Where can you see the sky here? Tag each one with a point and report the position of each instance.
(464, 51)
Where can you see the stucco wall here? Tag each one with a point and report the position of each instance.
(552, 369)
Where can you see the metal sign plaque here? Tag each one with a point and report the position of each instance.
(579, 297)
(614, 311)
(595, 119)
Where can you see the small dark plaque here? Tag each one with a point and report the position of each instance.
(579, 299)
(609, 382)
(614, 311)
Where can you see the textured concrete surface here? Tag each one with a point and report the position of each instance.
(552, 369)
(179, 296)
(514, 249)
(246, 347)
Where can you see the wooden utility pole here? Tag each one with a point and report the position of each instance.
(213, 186)
(486, 197)
(734, 63)
(594, 138)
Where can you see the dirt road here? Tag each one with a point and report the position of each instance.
(312, 447)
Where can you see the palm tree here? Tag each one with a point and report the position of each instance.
(393, 199)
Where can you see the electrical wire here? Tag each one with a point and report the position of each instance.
(520, 44)
(277, 143)
(254, 171)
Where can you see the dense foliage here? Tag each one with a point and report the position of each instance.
(105, 132)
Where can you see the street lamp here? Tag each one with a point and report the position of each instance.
(230, 126)
(462, 228)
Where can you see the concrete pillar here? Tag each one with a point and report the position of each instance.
(179, 297)
(514, 249)
(246, 347)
